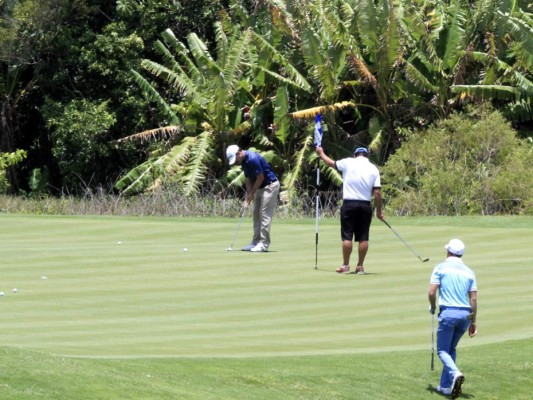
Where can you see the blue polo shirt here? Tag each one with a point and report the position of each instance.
(455, 281)
(254, 164)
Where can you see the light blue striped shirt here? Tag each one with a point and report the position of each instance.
(455, 281)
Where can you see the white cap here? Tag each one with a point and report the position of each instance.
(455, 246)
(231, 153)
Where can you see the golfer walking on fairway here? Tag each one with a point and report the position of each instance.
(360, 180)
(456, 285)
(262, 187)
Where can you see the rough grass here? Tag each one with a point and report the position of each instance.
(113, 308)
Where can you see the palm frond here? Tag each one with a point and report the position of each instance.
(519, 111)
(362, 70)
(204, 60)
(221, 40)
(197, 166)
(312, 112)
(523, 31)
(418, 79)
(235, 59)
(291, 178)
(488, 91)
(181, 50)
(282, 79)
(175, 160)
(156, 97)
(281, 110)
(293, 74)
(391, 47)
(139, 178)
(509, 74)
(170, 61)
(332, 174)
(453, 42)
(179, 81)
(368, 24)
(162, 133)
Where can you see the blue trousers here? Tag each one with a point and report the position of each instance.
(453, 323)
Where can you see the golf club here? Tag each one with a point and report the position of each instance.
(404, 242)
(230, 248)
(433, 342)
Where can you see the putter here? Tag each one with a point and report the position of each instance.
(404, 242)
(230, 248)
(433, 342)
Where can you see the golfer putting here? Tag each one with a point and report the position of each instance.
(457, 289)
(262, 187)
(360, 182)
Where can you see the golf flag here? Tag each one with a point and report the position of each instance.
(318, 131)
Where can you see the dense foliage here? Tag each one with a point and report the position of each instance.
(470, 163)
(144, 94)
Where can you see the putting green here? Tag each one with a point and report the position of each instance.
(125, 287)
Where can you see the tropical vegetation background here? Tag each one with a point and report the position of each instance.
(140, 96)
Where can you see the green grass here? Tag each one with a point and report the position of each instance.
(113, 308)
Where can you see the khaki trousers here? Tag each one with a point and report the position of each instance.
(265, 201)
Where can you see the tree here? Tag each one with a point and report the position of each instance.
(79, 139)
(211, 93)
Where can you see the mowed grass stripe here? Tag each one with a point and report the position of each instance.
(125, 287)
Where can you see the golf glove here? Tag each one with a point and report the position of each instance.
(431, 310)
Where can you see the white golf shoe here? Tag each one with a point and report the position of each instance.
(259, 248)
(249, 247)
(443, 390)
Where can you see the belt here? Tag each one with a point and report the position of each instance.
(356, 201)
(264, 185)
(442, 308)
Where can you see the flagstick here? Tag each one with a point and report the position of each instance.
(316, 213)
(318, 143)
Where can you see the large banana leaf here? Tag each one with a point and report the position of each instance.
(154, 96)
(198, 163)
(281, 117)
(293, 175)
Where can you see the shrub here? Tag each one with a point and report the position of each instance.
(470, 163)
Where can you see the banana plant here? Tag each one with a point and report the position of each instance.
(215, 100)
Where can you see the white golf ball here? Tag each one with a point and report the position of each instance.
(15, 290)
(1, 293)
(185, 249)
(119, 242)
(229, 249)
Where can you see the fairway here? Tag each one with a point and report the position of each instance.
(124, 288)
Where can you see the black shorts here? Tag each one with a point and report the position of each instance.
(356, 217)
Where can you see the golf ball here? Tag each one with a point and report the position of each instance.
(1, 293)
(185, 249)
(15, 290)
(229, 249)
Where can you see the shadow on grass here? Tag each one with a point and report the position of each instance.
(433, 390)
(349, 273)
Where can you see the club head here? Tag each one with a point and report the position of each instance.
(425, 260)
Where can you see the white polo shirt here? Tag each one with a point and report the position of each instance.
(359, 177)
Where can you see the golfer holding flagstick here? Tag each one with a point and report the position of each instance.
(360, 181)
(457, 288)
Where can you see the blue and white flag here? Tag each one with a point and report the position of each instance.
(318, 131)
